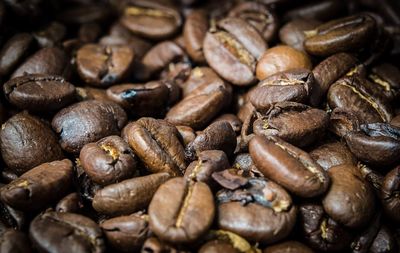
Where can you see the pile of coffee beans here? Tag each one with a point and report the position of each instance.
(212, 126)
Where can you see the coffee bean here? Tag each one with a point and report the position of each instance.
(194, 32)
(289, 166)
(127, 196)
(343, 121)
(384, 241)
(13, 52)
(86, 122)
(69, 204)
(288, 246)
(39, 93)
(321, 10)
(66, 232)
(362, 241)
(14, 241)
(27, 142)
(292, 33)
(181, 211)
(39, 187)
(389, 194)
(225, 241)
(387, 80)
(156, 143)
(51, 35)
(103, 65)
(186, 133)
(108, 161)
(333, 154)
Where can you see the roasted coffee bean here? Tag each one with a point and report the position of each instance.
(13, 52)
(329, 71)
(387, 80)
(217, 136)
(390, 196)
(340, 35)
(231, 179)
(151, 19)
(343, 121)
(27, 142)
(349, 93)
(320, 10)
(47, 61)
(181, 210)
(232, 50)
(362, 241)
(262, 204)
(187, 134)
(245, 163)
(288, 247)
(374, 178)
(108, 161)
(258, 15)
(11, 218)
(39, 187)
(228, 242)
(127, 196)
(281, 58)
(205, 95)
(289, 166)
(350, 200)
(85, 187)
(90, 93)
(66, 232)
(292, 85)
(153, 244)
(126, 233)
(50, 35)
(86, 122)
(384, 242)
(13, 241)
(208, 162)
(140, 100)
(295, 123)
(292, 33)
(39, 93)
(332, 154)
(156, 143)
(322, 232)
(194, 32)
(376, 144)
(104, 65)
(69, 204)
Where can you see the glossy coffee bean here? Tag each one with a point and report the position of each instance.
(156, 143)
(194, 32)
(66, 232)
(26, 142)
(288, 247)
(151, 19)
(281, 58)
(386, 77)
(233, 49)
(342, 121)
(39, 187)
(187, 134)
(181, 211)
(108, 161)
(86, 122)
(262, 204)
(39, 93)
(350, 200)
(292, 33)
(389, 194)
(289, 166)
(69, 204)
(127, 197)
(332, 154)
(340, 35)
(13, 52)
(91, 93)
(102, 65)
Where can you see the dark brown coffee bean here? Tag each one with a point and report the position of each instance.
(386, 78)
(13, 52)
(233, 49)
(27, 142)
(127, 196)
(289, 166)
(227, 242)
(340, 35)
(321, 10)
(108, 161)
(86, 122)
(140, 100)
(51, 35)
(66, 232)
(231, 179)
(343, 121)
(69, 204)
(384, 241)
(291, 122)
(11, 217)
(262, 204)
(47, 61)
(292, 85)
(332, 154)
(390, 196)
(187, 134)
(258, 15)
(217, 136)
(39, 187)
(292, 33)
(374, 178)
(126, 233)
(288, 247)
(90, 93)
(104, 65)
(279, 59)
(153, 244)
(151, 19)
(350, 200)
(329, 71)
(156, 143)
(13, 241)
(39, 93)
(181, 211)
(194, 32)
(376, 144)
(322, 232)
